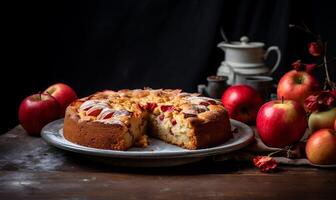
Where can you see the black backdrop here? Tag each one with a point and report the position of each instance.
(95, 45)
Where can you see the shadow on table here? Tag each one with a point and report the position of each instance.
(205, 166)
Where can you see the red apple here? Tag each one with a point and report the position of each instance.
(335, 125)
(242, 103)
(321, 147)
(281, 123)
(322, 119)
(63, 93)
(36, 111)
(297, 85)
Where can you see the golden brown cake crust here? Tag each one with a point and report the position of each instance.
(210, 132)
(94, 134)
(179, 118)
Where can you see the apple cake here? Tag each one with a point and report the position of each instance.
(121, 119)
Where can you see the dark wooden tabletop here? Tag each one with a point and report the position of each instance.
(32, 169)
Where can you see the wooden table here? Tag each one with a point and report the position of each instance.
(32, 169)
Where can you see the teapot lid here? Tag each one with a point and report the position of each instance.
(244, 43)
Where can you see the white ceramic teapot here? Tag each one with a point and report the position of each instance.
(245, 58)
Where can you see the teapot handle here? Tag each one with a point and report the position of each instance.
(277, 50)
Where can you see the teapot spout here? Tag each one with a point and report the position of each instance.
(222, 45)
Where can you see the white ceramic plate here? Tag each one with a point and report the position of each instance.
(157, 154)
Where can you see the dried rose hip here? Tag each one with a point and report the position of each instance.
(173, 121)
(314, 49)
(161, 117)
(311, 103)
(324, 100)
(298, 66)
(265, 163)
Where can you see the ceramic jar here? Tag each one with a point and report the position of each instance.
(244, 59)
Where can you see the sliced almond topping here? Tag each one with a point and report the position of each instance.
(198, 100)
(105, 113)
(122, 113)
(90, 103)
(187, 115)
(199, 108)
(184, 94)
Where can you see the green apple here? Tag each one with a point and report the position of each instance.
(322, 119)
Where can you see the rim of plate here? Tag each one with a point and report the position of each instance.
(229, 146)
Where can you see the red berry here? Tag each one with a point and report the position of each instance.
(314, 49)
(298, 66)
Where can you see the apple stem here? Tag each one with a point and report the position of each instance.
(303, 28)
(328, 82)
(282, 99)
(328, 62)
(325, 62)
(275, 152)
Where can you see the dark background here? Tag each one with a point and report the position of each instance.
(95, 45)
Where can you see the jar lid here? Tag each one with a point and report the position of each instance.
(244, 43)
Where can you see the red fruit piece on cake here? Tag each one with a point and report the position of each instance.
(150, 106)
(212, 102)
(205, 103)
(168, 108)
(108, 116)
(94, 111)
(105, 114)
